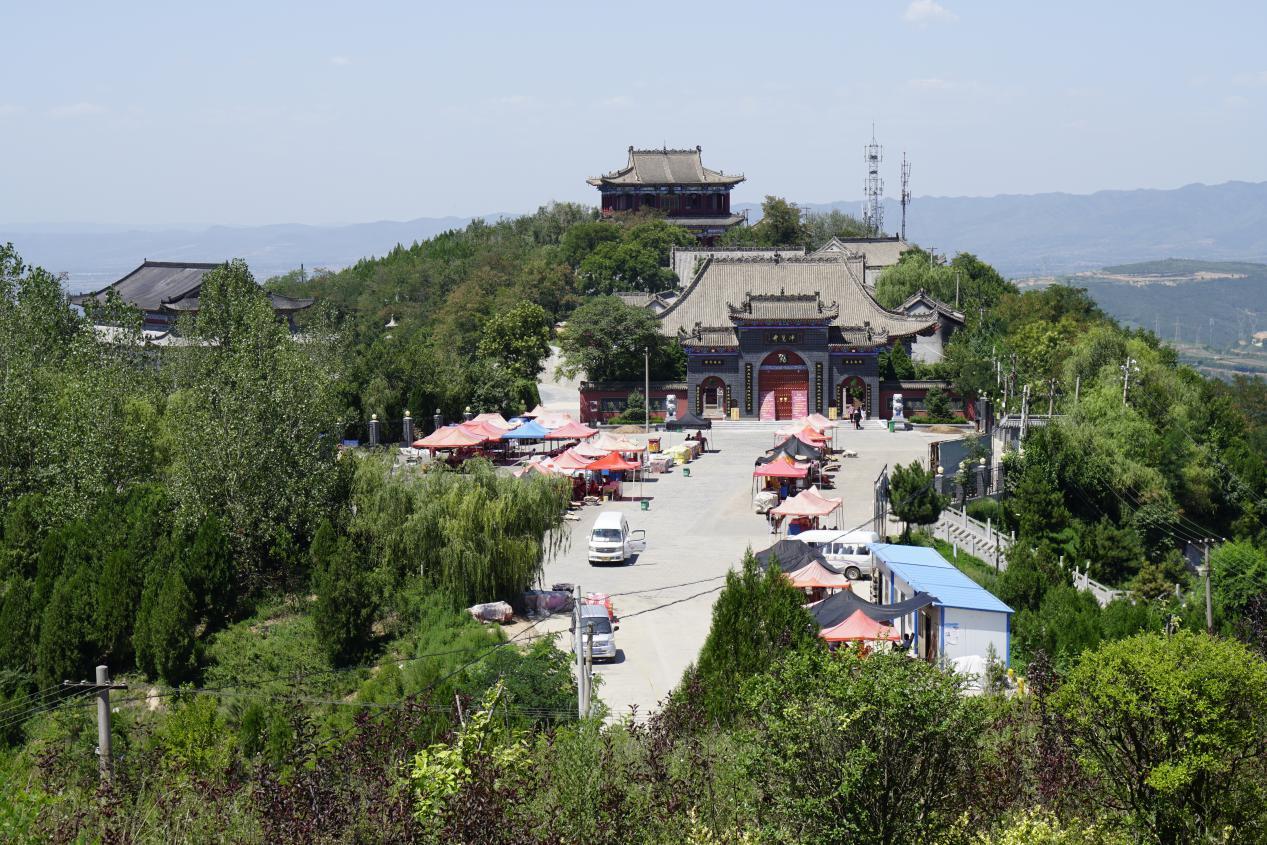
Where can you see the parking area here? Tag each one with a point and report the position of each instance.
(697, 529)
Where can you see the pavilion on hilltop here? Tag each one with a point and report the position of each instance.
(676, 183)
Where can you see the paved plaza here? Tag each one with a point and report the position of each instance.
(697, 529)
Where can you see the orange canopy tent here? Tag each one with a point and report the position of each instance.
(808, 503)
(780, 468)
(814, 574)
(591, 449)
(612, 443)
(612, 461)
(449, 437)
(494, 420)
(571, 431)
(483, 429)
(859, 627)
(807, 434)
(569, 461)
(539, 411)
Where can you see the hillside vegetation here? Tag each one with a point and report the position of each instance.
(289, 616)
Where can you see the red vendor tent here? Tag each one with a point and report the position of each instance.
(449, 437)
(859, 627)
(814, 574)
(612, 461)
(780, 469)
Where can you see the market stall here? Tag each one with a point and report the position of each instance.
(805, 509)
(859, 627)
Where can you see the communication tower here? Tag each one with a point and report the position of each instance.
(873, 205)
(906, 191)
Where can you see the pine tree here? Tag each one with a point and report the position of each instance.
(209, 571)
(65, 650)
(165, 643)
(758, 619)
(345, 604)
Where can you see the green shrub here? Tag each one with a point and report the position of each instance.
(983, 509)
(1172, 731)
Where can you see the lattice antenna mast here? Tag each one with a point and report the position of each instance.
(873, 205)
(906, 191)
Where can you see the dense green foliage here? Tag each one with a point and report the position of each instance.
(609, 341)
(758, 618)
(192, 523)
(784, 224)
(1174, 731)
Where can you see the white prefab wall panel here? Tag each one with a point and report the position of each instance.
(977, 631)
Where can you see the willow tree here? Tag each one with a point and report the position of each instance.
(476, 534)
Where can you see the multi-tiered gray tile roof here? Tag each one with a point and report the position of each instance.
(665, 167)
(704, 306)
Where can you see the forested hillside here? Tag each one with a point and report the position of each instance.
(287, 615)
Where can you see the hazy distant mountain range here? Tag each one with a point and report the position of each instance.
(1045, 234)
(1023, 235)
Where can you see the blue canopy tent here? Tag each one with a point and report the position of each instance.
(530, 430)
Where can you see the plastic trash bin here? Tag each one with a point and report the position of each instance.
(892, 426)
(645, 505)
(686, 472)
(653, 444)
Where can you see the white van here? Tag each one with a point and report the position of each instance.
(611, 541)
(849, 552)
(594, 618)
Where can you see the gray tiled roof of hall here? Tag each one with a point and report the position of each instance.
(798, 306)
(665, 167)
(879, 252)
(154, 283)
(704, 303)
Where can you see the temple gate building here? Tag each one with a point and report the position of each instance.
(779, 338)
(676, 183)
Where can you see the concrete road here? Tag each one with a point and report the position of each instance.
(697, 529)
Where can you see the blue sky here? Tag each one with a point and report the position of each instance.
(269, 112)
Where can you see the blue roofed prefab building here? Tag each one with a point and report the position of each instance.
(964, 620)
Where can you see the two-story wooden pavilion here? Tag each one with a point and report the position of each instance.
(676, 183)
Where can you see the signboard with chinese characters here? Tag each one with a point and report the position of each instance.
(713, 363)
(747, 388)
(818, 387)
(779, 338)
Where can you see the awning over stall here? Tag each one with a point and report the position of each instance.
(530, 430)
(688, 421)
(807, 503)
(837, 608)
(859, 628)
(449, 437)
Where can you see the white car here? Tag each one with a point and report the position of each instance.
(611, 541)
(603, 644)
(848, 552)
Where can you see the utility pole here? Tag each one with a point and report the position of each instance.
(1077, 388)
(102, 686)
(1129, 367)
(956, 289)
(1025, 412)
(646, 396)
(589, 668)
(1051, 396)
(580, 656)
(1209, 603)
